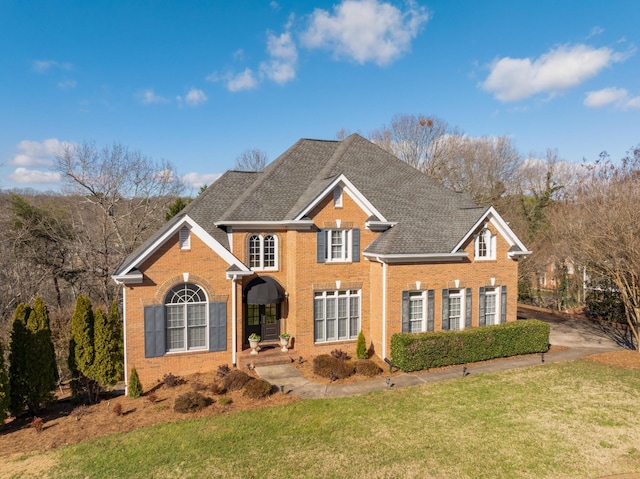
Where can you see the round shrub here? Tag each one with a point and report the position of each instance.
(366, 367)
(235, 380)
(327, 366)
(191, 402)
(257, 388)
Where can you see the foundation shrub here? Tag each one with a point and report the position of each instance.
(328, 366)
(366, 367)
(191, 402)
(361, 347)
(223, 370)
(340, 354)
(415, 352)
(257, 389)
(235, 380)
(217, 388)
(171, 381)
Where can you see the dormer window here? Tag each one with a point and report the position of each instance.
(263, 252)
(485, 245)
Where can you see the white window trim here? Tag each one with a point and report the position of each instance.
(494, 291)
(185, 327)
(346, 246)
(348, 294)
(457, 293)
(490, 241)
(261, 253)
(415, 296)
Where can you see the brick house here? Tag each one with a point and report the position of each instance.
(333, 237)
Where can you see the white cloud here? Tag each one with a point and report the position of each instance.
(197, 180)
(27, 176)
(242, 81)
(42, 66)
(195, 97)
(149, 97)
(67, 84)
(618, 97)
(281, 68)
(564, 67)
(365, 30)
(595, 31)
(34, 153)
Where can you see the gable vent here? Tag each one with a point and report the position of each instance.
(185, 238)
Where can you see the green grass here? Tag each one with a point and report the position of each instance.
(565, 420)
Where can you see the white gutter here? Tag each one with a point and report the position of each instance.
(417, 258)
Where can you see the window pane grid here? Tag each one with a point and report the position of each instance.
(186, 318)
(454, 312)
(336, 315)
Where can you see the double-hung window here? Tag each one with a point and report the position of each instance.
(485, 245)
(336, 315)
(186, 318)
(263, 252)
(492, 305)
(417, 311)
(455, 309)
(338, 245)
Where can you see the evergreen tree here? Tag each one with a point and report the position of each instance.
(135, 388)
(18, 354)
(361, 347)
(41, 372)
(108, 363)
(82, 351)
(4, 388)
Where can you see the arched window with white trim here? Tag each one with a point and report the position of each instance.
(186, 318)
(485, 245)
(263, 252)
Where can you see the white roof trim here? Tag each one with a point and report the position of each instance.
(196, 229)
(351, 190)
(417, 258)
(502, 227)
(380, 225)
(134, 277)
(268, 225)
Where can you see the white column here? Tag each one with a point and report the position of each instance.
(384, 310)
(124, 335)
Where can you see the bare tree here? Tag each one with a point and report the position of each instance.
(602, 230)
(121, 199)
(485, 167)
(421, 141)
(251, 160)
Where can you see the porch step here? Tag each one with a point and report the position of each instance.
(269, 355)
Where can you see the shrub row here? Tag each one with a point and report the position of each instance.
(330, 366)
(414, 352)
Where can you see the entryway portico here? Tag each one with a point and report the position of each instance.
(262, 300)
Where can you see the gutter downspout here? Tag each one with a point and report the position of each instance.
(124, 336)
(234, 319)
(384, 310)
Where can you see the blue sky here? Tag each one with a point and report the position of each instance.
(199, 82)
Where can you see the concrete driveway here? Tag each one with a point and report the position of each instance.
(578, 332)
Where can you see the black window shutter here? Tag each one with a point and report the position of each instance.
(405, 312)
(431, 294)
(467, 307)
(503, 304)
(481, 302)
(321, 246)
(355, 245)
(154, 331)
(218, 326)
(445, 309)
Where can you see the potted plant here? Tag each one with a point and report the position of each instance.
(254, 339)
(284, 340)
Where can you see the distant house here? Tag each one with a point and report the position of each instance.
(332, 238)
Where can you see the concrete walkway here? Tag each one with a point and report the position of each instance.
(580, 339)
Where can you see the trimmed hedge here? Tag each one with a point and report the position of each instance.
(415, 352)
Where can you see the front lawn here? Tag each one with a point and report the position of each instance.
(574, 419)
